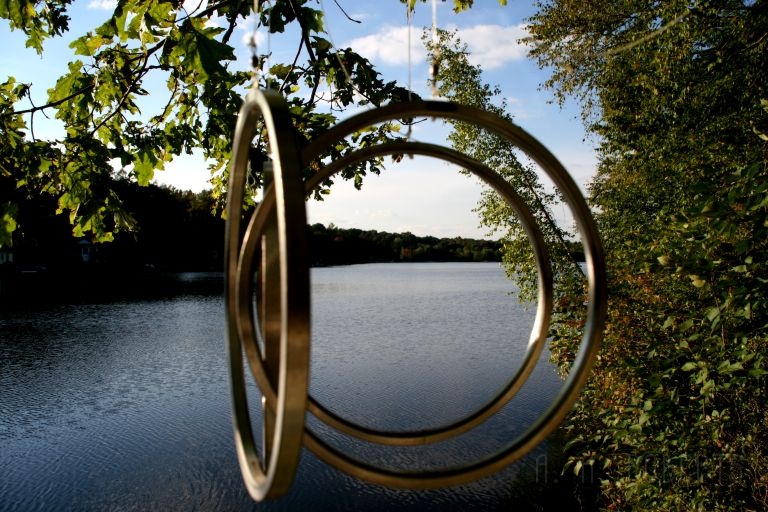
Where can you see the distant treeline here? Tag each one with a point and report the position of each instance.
(180, 231)
(175, 231)
(336, 246)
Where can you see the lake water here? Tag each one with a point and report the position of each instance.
(125, 405)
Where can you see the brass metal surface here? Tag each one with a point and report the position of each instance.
(273, 477)
(258, 246)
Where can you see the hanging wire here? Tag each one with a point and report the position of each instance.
(255, 180)
(253, 45)
(409, 20)
(254, 61)
(268, 55)
(435, 65)
(336, 51)
(259, 61)
(409, 23)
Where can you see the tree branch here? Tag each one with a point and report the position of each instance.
(345, 12)
(167, 107)
(141, 72)
(304, 30)
(307, 43)
(232, 24)
(209, 10)
(48, 105)
(293, 65)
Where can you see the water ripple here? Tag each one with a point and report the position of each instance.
(125, 406)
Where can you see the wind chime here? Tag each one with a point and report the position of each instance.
(272, 245)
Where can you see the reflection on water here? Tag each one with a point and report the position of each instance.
(125, 405)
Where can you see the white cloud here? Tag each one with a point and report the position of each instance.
(188, 5)
(519, 109)
(390, 46)
(405, 198)
(102, 4)
(493, 46)
(185, 172)
(490, 46)
(194, 5)
(261, 39)
(360, 16)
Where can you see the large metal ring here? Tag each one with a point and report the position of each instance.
(548, 421)
(595, 264)
(274, 476)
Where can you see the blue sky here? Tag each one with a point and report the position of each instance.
(421, 195)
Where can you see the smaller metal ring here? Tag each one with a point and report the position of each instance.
(596, 306)
(539, 328)
(293, 375)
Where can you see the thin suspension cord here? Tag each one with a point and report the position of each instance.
(435, 67)
(255, 61)
(335, 48)
(268, 56)
(409, 20)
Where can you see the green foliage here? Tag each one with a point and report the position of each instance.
(37, 19)
(100, 101)
(461, 82)
(8, 212)
(674, 416)
(178, 232)
(458, 5)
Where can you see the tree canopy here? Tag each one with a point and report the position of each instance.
(143, 42)
(677, 93)
(462, 82)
